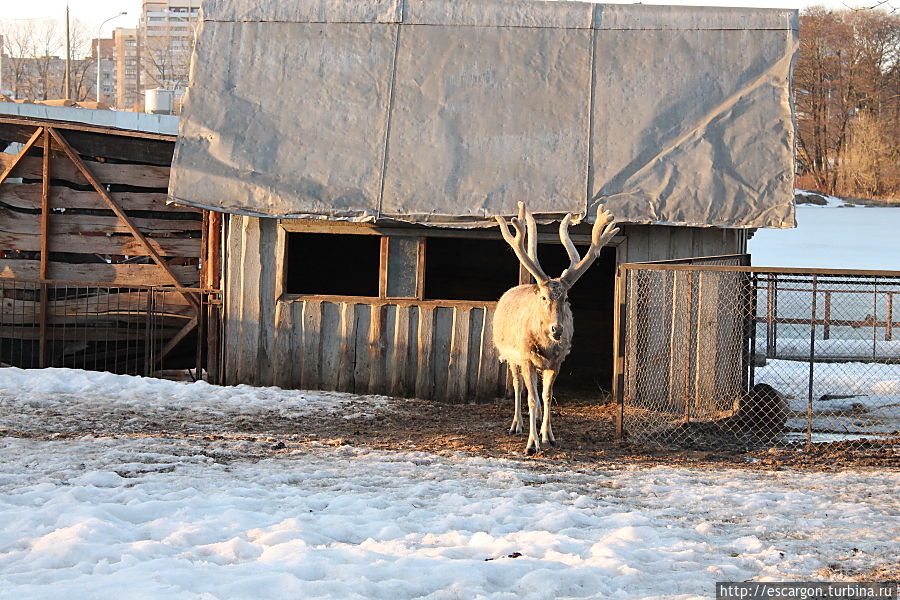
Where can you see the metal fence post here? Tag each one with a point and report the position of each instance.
(812, 359)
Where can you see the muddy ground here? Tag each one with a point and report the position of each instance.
(585, 434)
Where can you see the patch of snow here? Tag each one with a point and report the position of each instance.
(79, 520)
(158, 517)
(862, 237)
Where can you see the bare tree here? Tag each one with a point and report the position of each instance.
(166, 57)
(846, 71)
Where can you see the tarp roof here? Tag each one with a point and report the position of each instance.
(450, 111)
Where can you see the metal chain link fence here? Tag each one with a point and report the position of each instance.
(726, 356)
(135, 330)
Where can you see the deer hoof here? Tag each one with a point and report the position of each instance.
(530, 451)
(515, 430)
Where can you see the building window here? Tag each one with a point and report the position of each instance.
(333, 264)
(469, 269)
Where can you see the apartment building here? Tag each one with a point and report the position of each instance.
(157, 53)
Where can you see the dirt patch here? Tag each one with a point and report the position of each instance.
(585, 433)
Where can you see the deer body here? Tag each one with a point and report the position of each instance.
(533, 325)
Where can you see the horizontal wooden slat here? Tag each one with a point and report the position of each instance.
(28, 196)
(126, 245)
(87, 334)
(17, 222)
(101, 273)
(125, 306)
(147, 176)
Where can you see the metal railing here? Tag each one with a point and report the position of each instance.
(731, 355)
(128, 329)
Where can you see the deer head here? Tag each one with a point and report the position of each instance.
(552, 292)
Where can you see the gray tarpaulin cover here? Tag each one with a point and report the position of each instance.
(449, 111)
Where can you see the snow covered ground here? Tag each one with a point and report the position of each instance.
(160, 516)
(833, 237)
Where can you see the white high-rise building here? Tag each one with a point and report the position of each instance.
(158, 53)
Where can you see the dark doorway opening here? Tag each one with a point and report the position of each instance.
(587, 372)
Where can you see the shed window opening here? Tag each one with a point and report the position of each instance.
(333, 264)
(469, 269)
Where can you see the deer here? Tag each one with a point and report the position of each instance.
(533, 325)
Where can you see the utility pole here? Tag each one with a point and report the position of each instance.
(68, 57)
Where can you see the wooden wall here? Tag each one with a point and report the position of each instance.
(402, 347)
(83, 209)
(80, 223)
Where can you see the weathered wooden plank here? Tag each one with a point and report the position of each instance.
(400, 354)
(123, 245)
(284, 344)
(488, 361)
(659, 242)
(248, 343)
(8, 166)
(457, 368)
(96, 141)
(233, 284)
(122, 274)
(347, 347)
(473, 353)
(360, 347)
(295, 356)
(60, 223)
(126, 306)
(681, 242)
(28, 196)
(86, 334)
(424, 348)
(271, 260)
(637, 244)
(440, 360)
(146, 176)
(378, 378)
(330, 346)
(312, 332)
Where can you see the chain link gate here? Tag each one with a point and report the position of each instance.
(712, 353)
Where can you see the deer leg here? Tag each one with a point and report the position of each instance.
(546, 429)
(516, 373)
(531, 383)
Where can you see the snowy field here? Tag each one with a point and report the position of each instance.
(162, 516)
(833, 237)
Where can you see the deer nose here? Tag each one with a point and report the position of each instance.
(556, 330)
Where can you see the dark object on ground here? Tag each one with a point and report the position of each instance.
(763, 411)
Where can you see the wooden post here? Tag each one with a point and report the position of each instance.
(888, 335)
(31, 142)
(45, 248)
(619, 324)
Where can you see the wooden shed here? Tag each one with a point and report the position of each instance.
(359, 251)
(96, 270)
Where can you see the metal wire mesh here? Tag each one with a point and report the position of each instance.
(136, 330)
(741, 357)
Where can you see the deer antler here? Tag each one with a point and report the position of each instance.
(574, 257)
(603, 231)
(528, 258)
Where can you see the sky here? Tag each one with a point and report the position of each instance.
(94, 12)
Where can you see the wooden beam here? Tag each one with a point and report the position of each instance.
(31, 141)
(73, 156)
(45, 248)
(45, 207)
(174, 341)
